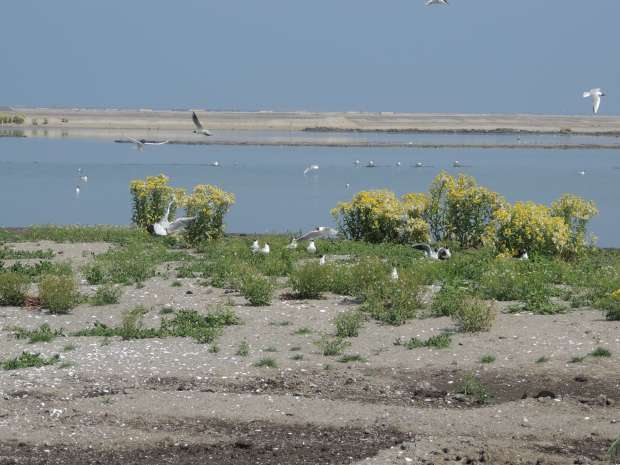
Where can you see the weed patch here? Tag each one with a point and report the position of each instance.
(29, 360)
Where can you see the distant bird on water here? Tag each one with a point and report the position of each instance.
(371, 164)
(200, 129)
(77, 191)
(84, 179)
(441, 253)
(320, 232)
(311, 168)
(419, 164)
(596, 95)
(582, 173)
(437, 2)
(356, 163)
(215, 163)
(164, 227)
(140, 143)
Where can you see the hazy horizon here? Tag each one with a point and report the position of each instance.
(469, 57)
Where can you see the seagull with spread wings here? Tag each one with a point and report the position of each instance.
(165, 228)
(200, 129)
(596, 95)
(141, 143)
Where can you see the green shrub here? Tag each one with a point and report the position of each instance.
(209, 204)
(471, 386)
(394, 302)
(330, 346)
(42, 334)
(244, 349)
(349, 323)
(487, 359)
(439, 341)
(257, 289)
(28, 360)
(474, 315)
(613, 314)
(266, 362)
(58, 294)
(309, 280)
(576, 213)
(600, 352)
(449, 298)
(13, 289)
(106, 295)
(351, 358)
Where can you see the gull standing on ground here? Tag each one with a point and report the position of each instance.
(311, 247)
(441, 253)
(255, 247)
(522, 255)
(311, 168)
(140, 143)
(394, 274)
(322, 260)
(436, 2)
(292, 245)
(320, 232)
(199, 127)
(165, 228)
(596, 95)
(265, 250)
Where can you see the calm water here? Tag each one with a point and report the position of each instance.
(38, 179)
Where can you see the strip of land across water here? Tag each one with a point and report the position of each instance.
(312, 128)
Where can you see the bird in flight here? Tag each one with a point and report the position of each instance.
(199, 127)
(320, 232)
(165, 227)
(141, 143)
(311, 168)
(596, 95)
(437, 2)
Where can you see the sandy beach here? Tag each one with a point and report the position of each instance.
(310, 128)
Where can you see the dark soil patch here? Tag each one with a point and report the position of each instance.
(254, 443)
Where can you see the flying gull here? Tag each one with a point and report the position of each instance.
(311, 168)
(140, 143)
(320, 232)
(199, 127)
(436, 2)
(596, 95)
(165, 228)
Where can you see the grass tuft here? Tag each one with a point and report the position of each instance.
(28, 360)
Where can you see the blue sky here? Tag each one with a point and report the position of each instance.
(487, 56)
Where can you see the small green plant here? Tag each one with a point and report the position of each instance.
(577, 359)
(600, 352)
(280, 323)
(439, 341)
(471, 386)
(330, 346)
(449, 298)
(349, 323)
(297, 357)
(214, 348)
(58, 294)
(244, 349)
(266, 362)
(295, 349)
(310, 280)
(304, 331)
(28, 360)
(487, 358)
(543, 359)
(42, 334)
(13, 289)
(474, 315)
(351, 358)
(257, 289)
(394, 302)
(69, 347)
(176, 283)
(614, 451)
(106, 295)
(166, 311)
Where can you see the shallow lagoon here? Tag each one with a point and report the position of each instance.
(38, 179)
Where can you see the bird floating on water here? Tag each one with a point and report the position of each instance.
(371, 164)
(322, 260)
(200, 129)
(164, 227)
(397, 163)
(596, 95)
(311, 168)
(311, 247)
(141, 143)
(456, 164)
(77, 191)
(582, 173)
(356, 162)
(255, 247)
(419, 164)
(292, 245)
(442, 253)
(320, 232)
(84, 178)
(347, 185)
(265, 249)
(394, 274)
(214, 163)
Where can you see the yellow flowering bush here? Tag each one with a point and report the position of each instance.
(469, 209)
(372, 216)
(209, 204)
(576, 212)
(414, 227)
(435, 212)
(528, 226)
(150, 199)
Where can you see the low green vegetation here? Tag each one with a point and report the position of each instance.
(304, 331)
(12, 254)
(351, 358)
(474, 315)
(309, 280)
(542, 359)
(331, 346)
(13, 289)
(244, 349)
(42, 334)
(58, 294)
(487, 359)
(257, 289)
(600, 352)
(349, 323)
(473, 387)
(106, 294)
(11, 118)
(29, 360)
(34, 272)
(266, 362)
(439, 341)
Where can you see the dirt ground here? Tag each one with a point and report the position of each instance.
(173, 400)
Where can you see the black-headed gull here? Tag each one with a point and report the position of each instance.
(320, 232)
(441, 253)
